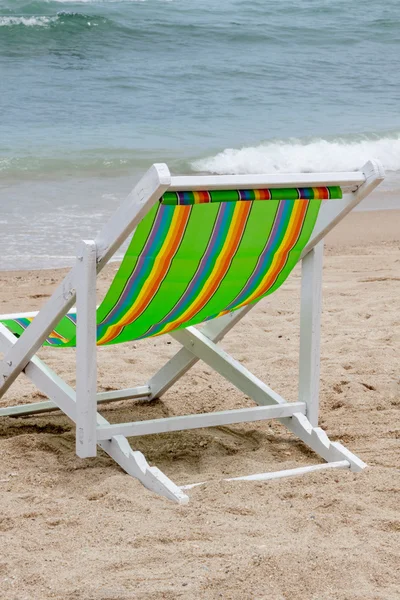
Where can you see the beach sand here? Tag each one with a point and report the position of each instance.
(76, 529)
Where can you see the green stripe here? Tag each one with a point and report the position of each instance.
(181, 272)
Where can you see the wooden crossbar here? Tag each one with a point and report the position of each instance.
(137, 393)
(226, 417)
(340, 464)
(350, 180)
(225, 365)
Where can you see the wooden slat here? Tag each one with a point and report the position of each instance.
(227, 182)
(341, 464)
(142, 391)
(134, 208)
(226, 417)
(24, 315)
(184, 359)
(45, 380)
(219, 360)
(334, 211)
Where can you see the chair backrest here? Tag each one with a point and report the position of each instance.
(197, 255)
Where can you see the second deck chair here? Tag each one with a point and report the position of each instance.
(205, 249)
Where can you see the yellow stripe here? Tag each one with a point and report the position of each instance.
(126, 318)
(55, 335)
(215, 274)
(282, 248)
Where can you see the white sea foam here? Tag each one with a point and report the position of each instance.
(27, 21)
(294, 155)
(4, 164)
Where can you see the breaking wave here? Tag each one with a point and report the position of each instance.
(296, 155)
(63, 21)
(27, 21)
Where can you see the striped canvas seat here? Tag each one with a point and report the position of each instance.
(198, 255)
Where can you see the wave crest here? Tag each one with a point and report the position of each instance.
(63, 20)
(295, 155)
(27, 21)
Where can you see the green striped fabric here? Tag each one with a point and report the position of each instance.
(193, 259)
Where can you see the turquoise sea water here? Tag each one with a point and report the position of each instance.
(93, 91)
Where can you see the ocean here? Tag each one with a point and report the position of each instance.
(92, 92)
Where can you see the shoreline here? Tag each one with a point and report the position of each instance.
(362, 233)
(359, 227)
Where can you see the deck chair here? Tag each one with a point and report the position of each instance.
(204, 250)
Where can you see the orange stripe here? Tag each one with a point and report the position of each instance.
(114, 330)
(204, 197)
(233, 241)
(281, 253)
(201, 197)
(262, 194)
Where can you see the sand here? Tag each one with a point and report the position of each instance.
(82, 529)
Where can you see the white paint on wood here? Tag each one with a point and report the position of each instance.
(197, 421)
(24, 315)
(316, 439)
(46, 380)
(145, 194)
(33, 337)
(141, 392)
(342, 464)
(135, 464)
(333, 211)
(225, 365)
(270, 180)
(22, 410)
(86, 355)
(184, 359)
(310, 331)
(356, 464)
(27, 315)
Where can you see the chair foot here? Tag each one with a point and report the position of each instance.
(135, 464)
(317, 440)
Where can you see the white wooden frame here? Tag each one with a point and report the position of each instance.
(79, 287)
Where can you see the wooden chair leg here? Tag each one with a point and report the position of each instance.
(310, 331)
(86, 355)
